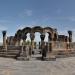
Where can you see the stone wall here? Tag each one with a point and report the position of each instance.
(14, 47)
(1, 47)
(58, 45)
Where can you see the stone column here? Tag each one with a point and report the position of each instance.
(66, 43)
(70, 38)
(4, 40)
(24, 37)
(23, 45)
(18, 41)
(35, 45)
(32, 36)
(42, 36)
(19, 37)
(50, 43)
(22, 53)
(39, 45)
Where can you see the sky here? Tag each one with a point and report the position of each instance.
(17, 14)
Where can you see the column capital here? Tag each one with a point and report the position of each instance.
(4, 32)
(4, 40)
(70, 36)
(70, 32)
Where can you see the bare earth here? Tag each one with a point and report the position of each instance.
(62, 66)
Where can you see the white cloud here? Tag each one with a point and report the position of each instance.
(20, 26)
(28, 12)
(72, 18)
(69, 18)
(2, 27)
(23, 26)
(29, 24)
(25, 13)
(62, 32)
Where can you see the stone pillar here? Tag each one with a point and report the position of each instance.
(32, 36)
(22, 53)
(66, 42)
(24, 37)
(42, 36)
(35, 45)
(49, 43)
(19, 37)
(23, 45)
(70, 38)
(39, 45)
(18, 42)
(4, 40)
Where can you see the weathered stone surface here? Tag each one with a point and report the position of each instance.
(63, 66)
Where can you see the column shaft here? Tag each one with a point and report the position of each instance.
(4, 40)
(32, 41)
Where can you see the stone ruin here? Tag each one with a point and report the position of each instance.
(57, 44)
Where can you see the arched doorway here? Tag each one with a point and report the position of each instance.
(37, 39)
(28, 40)
(37, 42)
(50, 35)
(37, 32)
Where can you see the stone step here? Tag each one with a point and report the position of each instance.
(64, 52)
(13, 47)
(2, 52)
(11, 56)
(1, 55)
(13, 50)
(12, 53)
(9, 51)
(65, 55)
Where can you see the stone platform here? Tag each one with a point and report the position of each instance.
(63, 66)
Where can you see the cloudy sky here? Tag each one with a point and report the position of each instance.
(15, 14)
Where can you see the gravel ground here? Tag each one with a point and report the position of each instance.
(62, 66)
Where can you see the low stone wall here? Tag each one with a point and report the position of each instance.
(1, 47)
(14, 47)
(60, 46)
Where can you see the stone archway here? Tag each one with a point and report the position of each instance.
(37, 40)
(25, 31)
(51, 38)
(38, 29)
(50, 31)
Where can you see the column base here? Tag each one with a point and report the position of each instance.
(23, 58)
